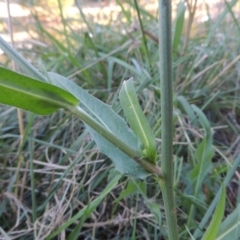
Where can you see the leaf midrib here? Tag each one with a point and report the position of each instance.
(34, 93)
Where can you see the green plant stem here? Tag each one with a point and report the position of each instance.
(165, 54)
(104, 132)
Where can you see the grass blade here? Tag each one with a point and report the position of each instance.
(217, 218)
(178, 27)
(23, 63)
(230, 228)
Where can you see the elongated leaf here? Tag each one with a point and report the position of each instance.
(230, 228)
(178, 27)
(203, 154)
(104, 114)
(23, 92)
(186, 107)
(217, 218)
(137, 120)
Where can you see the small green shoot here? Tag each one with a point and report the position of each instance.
(137, 120)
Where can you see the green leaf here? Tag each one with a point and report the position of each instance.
(178, 27)
(217, 218)
(203, 154)
(104, 114)
(130, 189)
(186, 107)
(230, 227)
(23, 92)
(137, 120)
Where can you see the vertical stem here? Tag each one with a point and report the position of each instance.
(165, 55)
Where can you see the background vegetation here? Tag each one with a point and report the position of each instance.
(99, 51)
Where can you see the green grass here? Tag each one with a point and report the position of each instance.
(56, 185)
